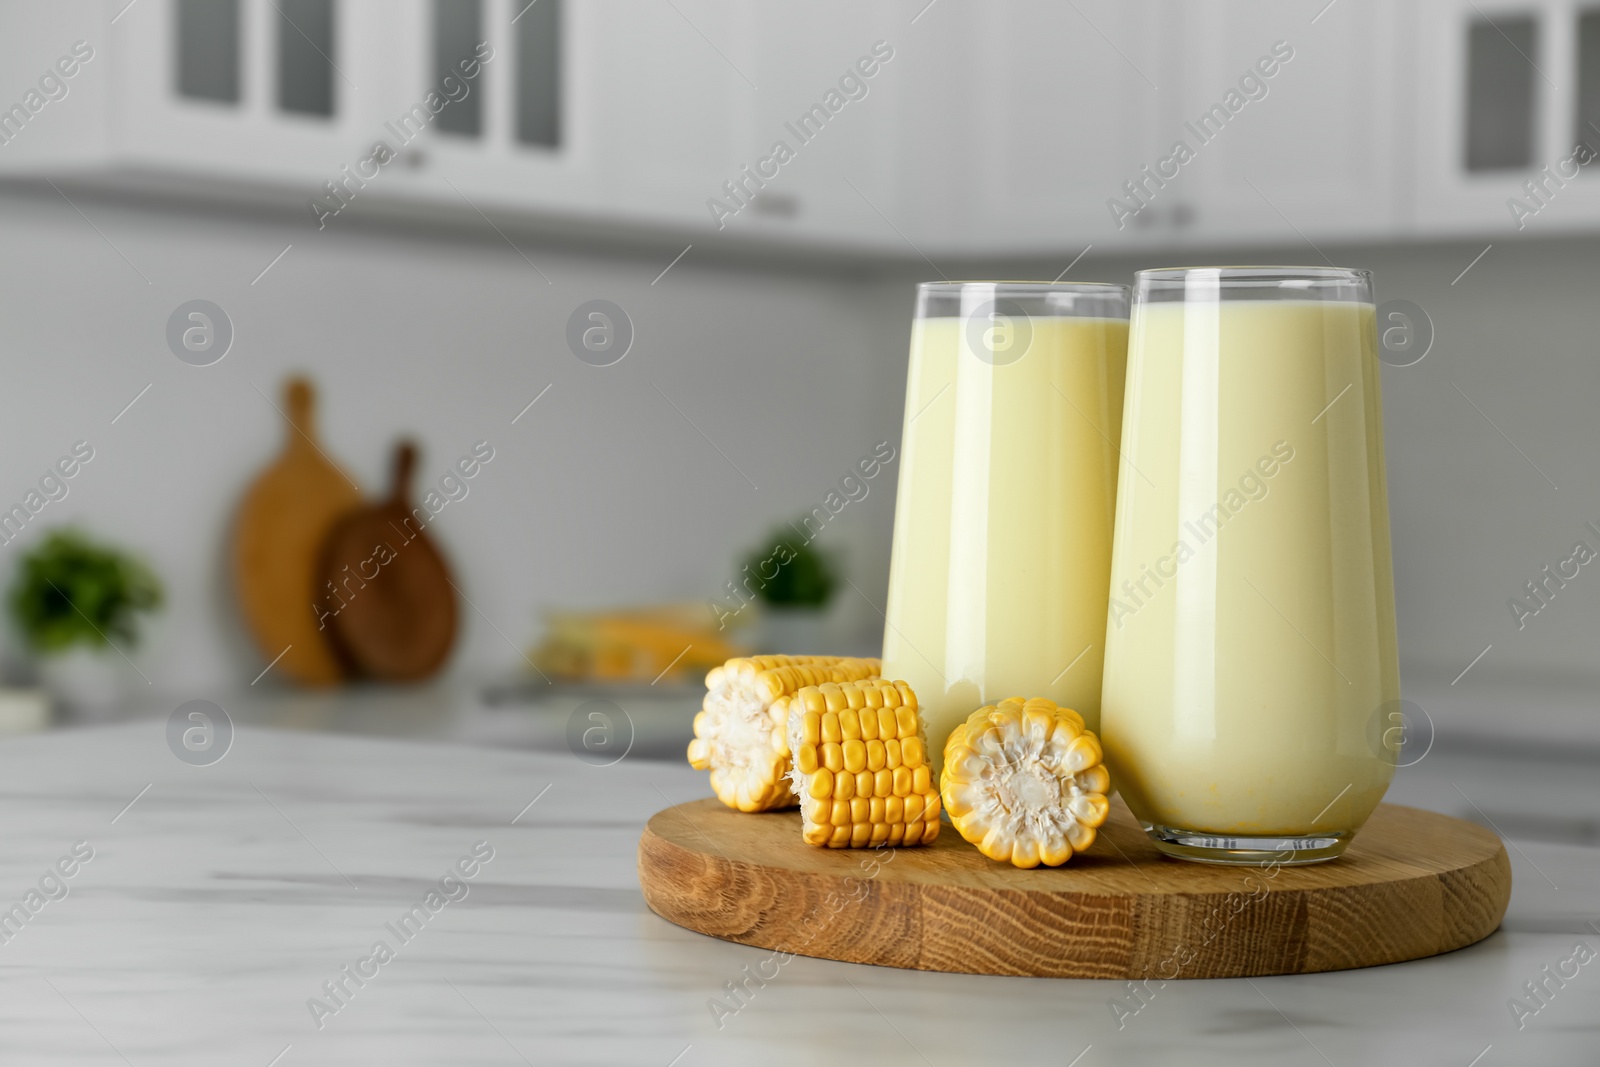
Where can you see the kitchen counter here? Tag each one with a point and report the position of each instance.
(219, 899)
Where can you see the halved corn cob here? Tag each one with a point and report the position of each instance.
(1023, 780)
(860, 765)
(739, 735)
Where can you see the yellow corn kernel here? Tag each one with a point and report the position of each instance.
(832, 756)
(855, 755)
(911, 753)
(891, 754)
(813, 727)
(921, 780)
(844, 785)
(849, 725)
(866, 783)
(839, 813)
(860, 810)
(882, 783)
(806, 758)
(875, 754)
(830, 728)
(902, 781)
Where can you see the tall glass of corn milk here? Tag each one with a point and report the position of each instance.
(1008, 487)
(1250, 636)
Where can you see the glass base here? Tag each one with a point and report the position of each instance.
(1239, 849)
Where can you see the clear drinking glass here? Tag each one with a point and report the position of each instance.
(1250, 643)
(1008, 485)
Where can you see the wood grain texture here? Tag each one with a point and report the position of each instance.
(1411, 884)
(278, 534)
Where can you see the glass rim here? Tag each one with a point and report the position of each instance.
(1261, 272)
(1023, 286)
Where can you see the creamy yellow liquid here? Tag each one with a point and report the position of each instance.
(1002, 536)
(1242, 679)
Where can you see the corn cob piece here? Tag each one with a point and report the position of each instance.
(739, 735)
(1024, 781)
(860, 765)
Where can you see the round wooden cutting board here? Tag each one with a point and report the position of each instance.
(277, 539)
(386, 591)
(1411, 884)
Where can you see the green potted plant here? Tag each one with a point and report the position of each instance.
(794, 583)
(77, 605)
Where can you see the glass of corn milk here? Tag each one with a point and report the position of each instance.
(1008, 486)
(1250, 637)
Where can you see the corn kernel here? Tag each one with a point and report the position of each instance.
(830, 728)
(906, 722)
(813, 727)
(832, 756)
(855, 755)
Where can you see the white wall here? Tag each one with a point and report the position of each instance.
(602, 494)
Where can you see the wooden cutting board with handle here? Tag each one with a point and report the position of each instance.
(278, 535)
(387, 596)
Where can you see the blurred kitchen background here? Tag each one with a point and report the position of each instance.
(624, 151)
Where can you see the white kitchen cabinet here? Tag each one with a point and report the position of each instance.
(1507, 91)
(1022, 127)
(1294, 115)
(645, 123)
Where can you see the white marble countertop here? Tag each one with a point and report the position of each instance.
(218, 902)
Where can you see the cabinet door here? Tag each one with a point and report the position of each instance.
(1293, 115)
(605, 110)
(823, 135)
(1510, 91)
(1026, 120)
(253, 90)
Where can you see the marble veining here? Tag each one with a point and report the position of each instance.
(222, 899)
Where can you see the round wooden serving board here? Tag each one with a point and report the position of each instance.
(1411, 884)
